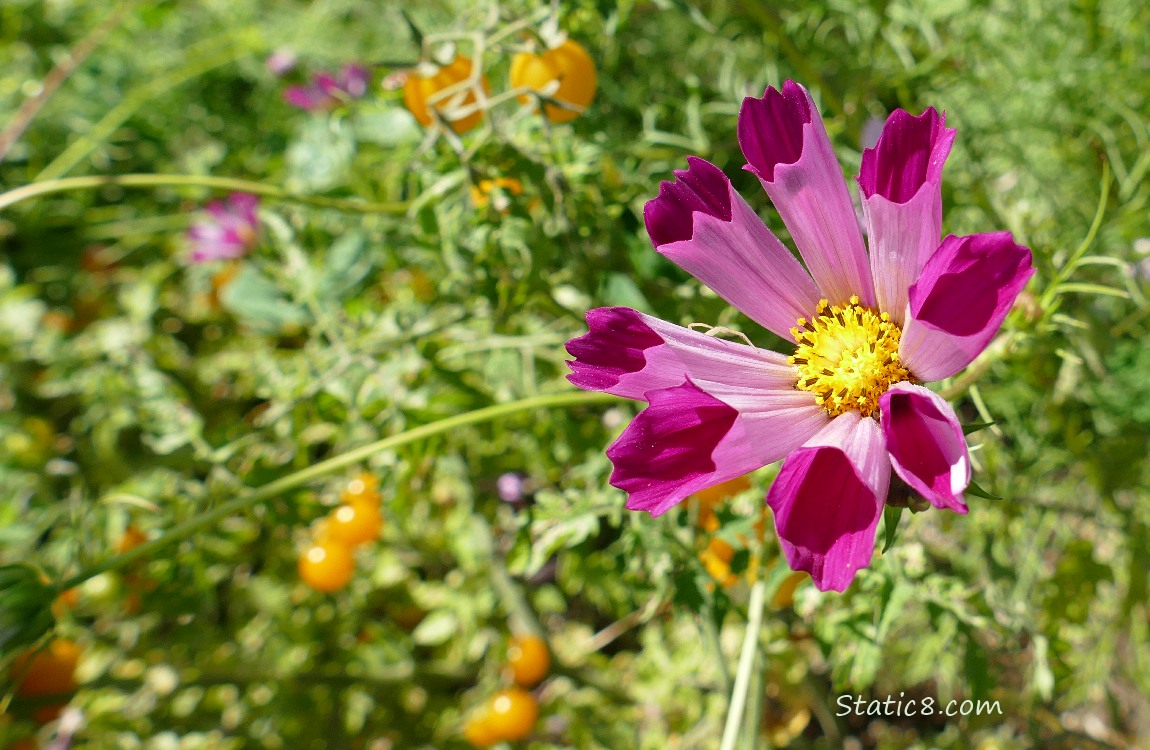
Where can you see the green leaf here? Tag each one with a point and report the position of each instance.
(620, 290)
(1096, 289)
(688, 592)
(977, 491)
(25, 607)
(890, 519)
(416, 34)
(389, 126)
(438, 627)
(257, 301)
(346, 264)
(740, 561)
(321, 156)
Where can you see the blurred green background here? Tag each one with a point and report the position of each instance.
(137, 391)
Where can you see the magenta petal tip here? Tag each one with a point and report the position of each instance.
(701, 188)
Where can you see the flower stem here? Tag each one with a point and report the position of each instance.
(60, 73)
(303, 476)
(746, 662)
(65, 184)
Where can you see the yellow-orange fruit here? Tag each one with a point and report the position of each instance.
(418, 89)
(529, 659)
(570, 65)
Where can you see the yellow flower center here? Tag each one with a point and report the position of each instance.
(847, 357)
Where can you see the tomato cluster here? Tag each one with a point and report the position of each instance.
(328, 564)
(510, 714)
(563, 75)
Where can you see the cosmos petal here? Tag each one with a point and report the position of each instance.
(703, 225)
(901, 186)
(828, 498)
(787, 148)
(926, 445)
(959, 302)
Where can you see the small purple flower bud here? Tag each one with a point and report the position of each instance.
(281, 62)
(510, 487)
(327, 90)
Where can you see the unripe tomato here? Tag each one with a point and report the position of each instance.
(327, 566)
(478, 730)
(353, 524)
(362, 488)
(512, 714)
(50, 671)
(418, 89)
(570, 65)
(529, 659)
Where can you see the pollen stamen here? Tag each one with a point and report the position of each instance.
(847, 356)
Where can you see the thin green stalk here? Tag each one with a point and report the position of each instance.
(93, 182)
(746, 662)
(711, 636)
(1071, 264)
(302, 477)
(754, 737)
(201, 62)
(60, 73)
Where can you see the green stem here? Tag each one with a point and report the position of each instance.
(1053, 289)
(711, 636)
(746, 662)
(299, 478)
(65, 184)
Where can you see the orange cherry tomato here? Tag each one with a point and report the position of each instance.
(363, 488)
(512, 714)
(529, 659)
(50, 671)
(327, 566)
(66, 601)
(418, 89)
(353, 524)
(716, 558)
(570, 65)
(131, 539)
(478, 730)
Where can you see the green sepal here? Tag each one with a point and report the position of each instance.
(891, 515)
(977, 491)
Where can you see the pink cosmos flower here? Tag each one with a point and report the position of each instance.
(867, 330)
(230, 229)
(328, 90)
